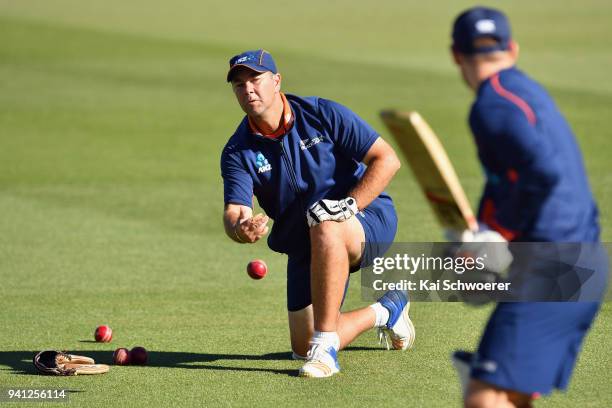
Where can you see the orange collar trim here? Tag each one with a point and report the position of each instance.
(286, 121)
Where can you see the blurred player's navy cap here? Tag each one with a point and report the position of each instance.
(481, 22)
(257, 60)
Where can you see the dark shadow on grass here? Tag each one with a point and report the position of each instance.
(290, 373)
(361, 348)
(20, 362)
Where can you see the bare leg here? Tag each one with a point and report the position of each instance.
(328, 274)
(484, 395)
(350, 325)
(334, 246)
(301, 328)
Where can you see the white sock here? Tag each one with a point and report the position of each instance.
(328, 338)
(382, 314)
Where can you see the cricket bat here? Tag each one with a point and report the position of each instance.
(432, 169)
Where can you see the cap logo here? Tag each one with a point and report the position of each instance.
(485, 26)
(254, 60)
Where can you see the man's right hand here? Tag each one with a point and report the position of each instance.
(241, 226)
(252, 229)
(484, 243)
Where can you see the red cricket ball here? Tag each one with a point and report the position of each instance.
(257, 269)
(121, 356)
(103, 334)
(138, 356)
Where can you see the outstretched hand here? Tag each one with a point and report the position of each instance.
(252, 229)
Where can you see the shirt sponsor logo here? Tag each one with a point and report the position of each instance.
(485, 26)
(308, 143)
(262, 163)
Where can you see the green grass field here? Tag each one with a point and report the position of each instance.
(112, 118)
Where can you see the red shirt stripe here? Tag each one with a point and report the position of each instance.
(515, 99)
(487, 215)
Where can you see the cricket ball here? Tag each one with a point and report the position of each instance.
(103, 334)
(257, 269)
(138, 356)
(121, 356)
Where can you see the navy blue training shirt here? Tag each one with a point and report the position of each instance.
(319, 157)
(537, 188)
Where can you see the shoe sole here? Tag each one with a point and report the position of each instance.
(304, 374)
(322, 367)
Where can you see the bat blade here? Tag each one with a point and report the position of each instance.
(432, 168)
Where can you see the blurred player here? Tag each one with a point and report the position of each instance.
(536, 190)
(319, 171)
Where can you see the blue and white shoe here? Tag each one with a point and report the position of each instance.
(321, 362)
(399, 328)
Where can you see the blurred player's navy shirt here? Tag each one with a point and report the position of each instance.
(320, 157)
(537, 187)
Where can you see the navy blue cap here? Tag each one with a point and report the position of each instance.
(257, 60)
(479, 22)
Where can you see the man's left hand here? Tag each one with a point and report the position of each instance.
(331, 210)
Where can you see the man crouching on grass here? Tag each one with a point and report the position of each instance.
(319, 171)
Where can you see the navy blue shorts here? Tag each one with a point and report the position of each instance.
(532, 347)
(379, 222)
